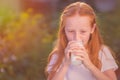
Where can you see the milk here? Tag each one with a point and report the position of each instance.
(74, 60)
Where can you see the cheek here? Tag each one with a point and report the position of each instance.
(86, 38)
(69, 37)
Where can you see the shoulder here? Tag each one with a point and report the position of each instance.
(105, 48)
(53, 56)
(51, 60)
(107, 59)
(106, 52)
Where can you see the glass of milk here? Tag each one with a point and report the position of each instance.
(74, 60)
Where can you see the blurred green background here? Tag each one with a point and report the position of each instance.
(28, 30)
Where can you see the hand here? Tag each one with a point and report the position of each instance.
(79, 51)
(67, 52)
(82, 54)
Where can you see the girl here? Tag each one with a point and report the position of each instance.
(78, 23)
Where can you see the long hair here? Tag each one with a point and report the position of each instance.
(94, 43)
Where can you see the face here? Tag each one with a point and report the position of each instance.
(78, 28)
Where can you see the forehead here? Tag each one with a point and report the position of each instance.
(78, 22)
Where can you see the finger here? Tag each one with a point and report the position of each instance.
(74, 51)
(82, 54)
(68, 54)
(77, 51)
(70, 42)
(75, 45)
(80, 58)
(84, 49)
(75, 48)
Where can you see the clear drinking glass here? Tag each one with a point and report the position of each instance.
(74, 61)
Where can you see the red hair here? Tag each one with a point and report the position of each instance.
(95, 40)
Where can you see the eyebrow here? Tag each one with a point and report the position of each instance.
(68, 28)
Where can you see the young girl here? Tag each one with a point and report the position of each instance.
(94, 59)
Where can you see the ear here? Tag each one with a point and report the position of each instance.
(93, 28)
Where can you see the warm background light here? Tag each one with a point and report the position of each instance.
(28, 30)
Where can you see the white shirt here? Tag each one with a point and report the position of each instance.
(80, 72)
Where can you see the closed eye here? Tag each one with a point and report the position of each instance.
(70, 31)
(83, 31)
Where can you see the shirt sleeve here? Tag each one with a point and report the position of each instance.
(107, 60)
(52, 61)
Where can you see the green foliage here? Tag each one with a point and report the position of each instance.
(6, 15)
(26, 41)
(110, 29)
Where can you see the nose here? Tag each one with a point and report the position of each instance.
(77, 36)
